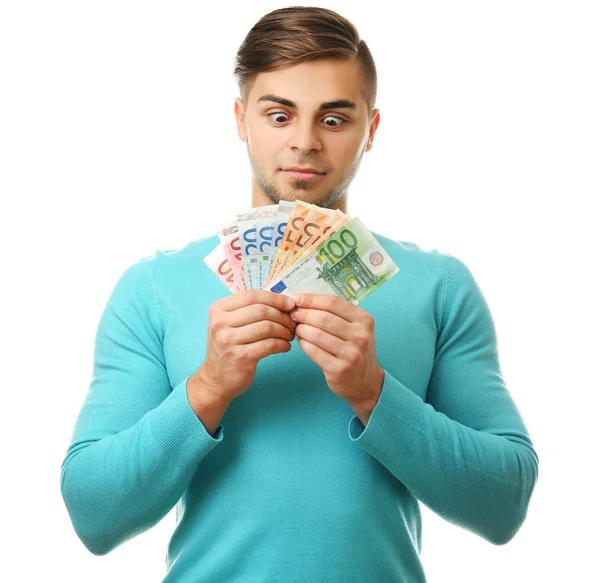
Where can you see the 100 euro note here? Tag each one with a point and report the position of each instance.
(350, 264)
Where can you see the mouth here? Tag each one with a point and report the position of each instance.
(302, 175)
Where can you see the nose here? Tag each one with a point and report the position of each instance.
(305, 136)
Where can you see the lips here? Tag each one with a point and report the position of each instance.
(304, 176)
(305, 170)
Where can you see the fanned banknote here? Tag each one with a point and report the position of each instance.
(219, 264)
(246, 221)
(296, 218)
(265, 227)
(230, 241)
(297, 247)
(350, 264)
(303, 229)
(284, 210)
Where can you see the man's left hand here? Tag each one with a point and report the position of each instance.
(340, 338)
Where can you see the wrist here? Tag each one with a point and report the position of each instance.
(208, 405)
(203, 382)
(364, 407)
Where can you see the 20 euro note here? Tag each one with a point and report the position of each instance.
(266, 217)
(246, 221)
(350, 264)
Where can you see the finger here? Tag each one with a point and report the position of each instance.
(322, 358)
(324, 340)
(324, 320)
(262, 348)
(260, 331)
(334, 304)
(257, 296)
(258, 312)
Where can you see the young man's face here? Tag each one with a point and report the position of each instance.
(331, 140)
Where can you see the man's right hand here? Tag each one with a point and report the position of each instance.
(242, 329)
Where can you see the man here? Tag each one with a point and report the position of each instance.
(297, 437)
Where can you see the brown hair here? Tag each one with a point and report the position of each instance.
(297, 34)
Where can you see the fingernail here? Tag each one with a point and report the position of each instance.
(298, 298)
(293, 314)
(289, 302)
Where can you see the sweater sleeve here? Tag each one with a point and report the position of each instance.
(136, 442)
(465, 452)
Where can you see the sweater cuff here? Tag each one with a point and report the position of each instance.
(395, 420)
(179, 432)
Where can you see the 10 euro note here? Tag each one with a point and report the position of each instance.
(350, 264)
(218, 263)
(230, 240)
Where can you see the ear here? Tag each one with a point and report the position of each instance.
(373, 128)
(238, 109)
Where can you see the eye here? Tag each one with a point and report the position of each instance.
(336, 117)
(342, 120)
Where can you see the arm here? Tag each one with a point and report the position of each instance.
(465, 452)
(136, 443)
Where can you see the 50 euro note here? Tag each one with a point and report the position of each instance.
(317, 231)
(308, 230)
(307, 223)
(350, 264)
(284, 211)
(296, 217)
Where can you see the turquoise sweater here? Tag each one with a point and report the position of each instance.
(292, 486)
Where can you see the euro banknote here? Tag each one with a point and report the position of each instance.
(297, 246)
(350, 264)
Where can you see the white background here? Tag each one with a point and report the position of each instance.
(117, 138)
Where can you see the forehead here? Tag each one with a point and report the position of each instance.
(309, 84)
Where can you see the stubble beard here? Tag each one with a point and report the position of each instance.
(304, 190)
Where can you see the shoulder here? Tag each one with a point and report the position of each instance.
(414, 256)
(199, 247)
(173, 262)
(141, 274)
(433, 268)
(407, 250)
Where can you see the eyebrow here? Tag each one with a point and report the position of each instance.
(340, 103)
